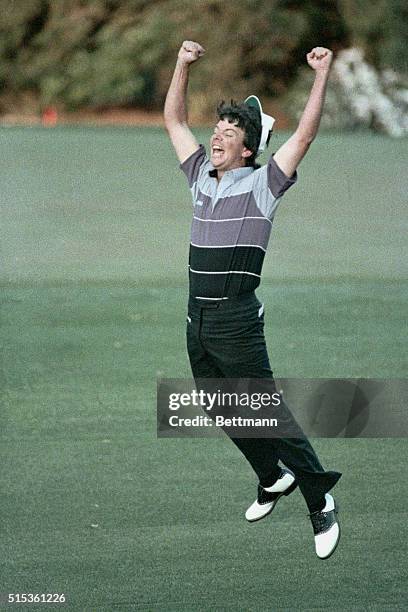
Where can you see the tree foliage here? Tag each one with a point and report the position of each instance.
(99, 53)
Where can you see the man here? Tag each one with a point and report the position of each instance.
(234, 204)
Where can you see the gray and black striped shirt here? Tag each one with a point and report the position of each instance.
(232, 222)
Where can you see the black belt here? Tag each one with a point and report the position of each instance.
(229, 302)
(212, 304)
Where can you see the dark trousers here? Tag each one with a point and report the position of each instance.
(225, 339)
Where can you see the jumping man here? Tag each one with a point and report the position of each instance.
(235, 201)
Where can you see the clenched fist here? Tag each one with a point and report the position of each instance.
(320, 58)
(190, 52)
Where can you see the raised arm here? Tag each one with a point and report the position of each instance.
(290, 154)
(175, 108)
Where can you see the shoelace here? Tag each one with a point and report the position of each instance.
(319, 520)
(322, 521)
(265, 496)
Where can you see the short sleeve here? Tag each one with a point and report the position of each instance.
(192, 165)
(269, 185)
(278, 182)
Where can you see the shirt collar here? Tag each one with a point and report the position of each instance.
(236, 174)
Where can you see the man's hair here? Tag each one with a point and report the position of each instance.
(247, 118)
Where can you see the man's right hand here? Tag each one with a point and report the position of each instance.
(190, 52)
(175, 108)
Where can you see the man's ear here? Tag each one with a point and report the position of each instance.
(246, 153)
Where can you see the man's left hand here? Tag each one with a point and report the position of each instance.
(320, 59)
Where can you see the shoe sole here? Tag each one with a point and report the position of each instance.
(288, 491)
(336, 509)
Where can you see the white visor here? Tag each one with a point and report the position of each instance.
(266, 121)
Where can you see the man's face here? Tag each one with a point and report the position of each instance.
(227, 146)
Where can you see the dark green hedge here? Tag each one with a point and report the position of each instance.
(100, 53)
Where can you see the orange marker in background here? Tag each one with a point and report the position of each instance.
(50, 117)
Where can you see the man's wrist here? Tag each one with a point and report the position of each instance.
(322, 73)
(182, 64)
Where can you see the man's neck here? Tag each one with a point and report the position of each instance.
(220, 173)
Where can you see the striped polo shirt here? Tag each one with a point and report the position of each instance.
(232, 222)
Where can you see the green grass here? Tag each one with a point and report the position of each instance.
(93, 300)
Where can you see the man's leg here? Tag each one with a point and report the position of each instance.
(261, 456)
(202, 364)
(236, 344)
(235, 348)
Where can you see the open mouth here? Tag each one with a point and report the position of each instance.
(217, 151)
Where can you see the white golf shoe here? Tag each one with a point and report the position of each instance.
(326, 528)
(269, 497)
